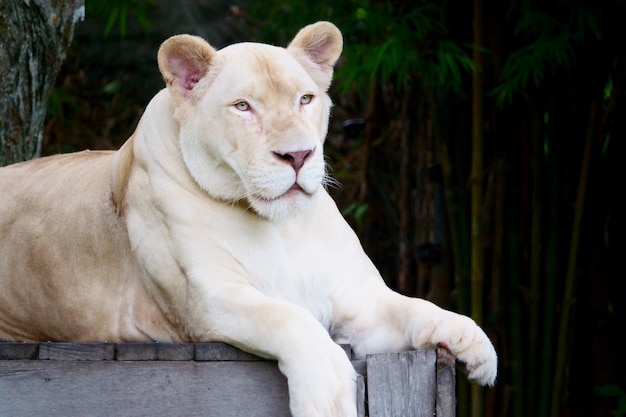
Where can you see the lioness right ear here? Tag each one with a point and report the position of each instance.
(183, 61)
(318, 47)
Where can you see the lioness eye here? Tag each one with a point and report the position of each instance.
(306, 99)
(242, 106)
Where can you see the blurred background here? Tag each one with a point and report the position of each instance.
(480, 146)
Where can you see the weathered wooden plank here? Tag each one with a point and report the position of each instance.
(225, 352)
(154, 351)
(77, 351)
(144, 388)
(222, 352)
(446, 387)
(402, 384)
(15, 351)
(360, 366)
(360, 396)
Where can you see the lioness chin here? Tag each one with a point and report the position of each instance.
(211, 223)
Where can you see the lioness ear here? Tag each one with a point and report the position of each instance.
(183, 61)
(317, 47)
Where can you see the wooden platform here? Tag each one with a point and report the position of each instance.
(200, 379)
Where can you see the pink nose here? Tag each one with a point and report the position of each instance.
(296, 159)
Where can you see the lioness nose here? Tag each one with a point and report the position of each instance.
(296, 159)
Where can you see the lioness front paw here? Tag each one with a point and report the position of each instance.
(322, 387)
(470, 345)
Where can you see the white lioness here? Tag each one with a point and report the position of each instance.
(212, 223)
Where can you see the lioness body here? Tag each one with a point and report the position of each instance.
(211, 224)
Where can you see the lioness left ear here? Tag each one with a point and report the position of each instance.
(317, 47)
(183, 61)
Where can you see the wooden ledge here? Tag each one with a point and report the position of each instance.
(128, 352)
(201, 379)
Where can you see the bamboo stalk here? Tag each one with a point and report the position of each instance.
(549, 293)
(371, 130)
(498, 239)
(403, 194)
(456, 211)
(495, 312)
(476, 175)
(440, 283)
(477, 253)
(570, 277)
(536, 252)
(459, 241)
(515, 314)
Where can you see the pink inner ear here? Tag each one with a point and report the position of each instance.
(187, 75)
(190, 80)
(187, 81)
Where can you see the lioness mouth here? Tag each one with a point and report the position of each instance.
(295, 188)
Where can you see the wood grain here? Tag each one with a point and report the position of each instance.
(201, 379)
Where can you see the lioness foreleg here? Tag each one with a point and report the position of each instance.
(321, 379)
(391, 322)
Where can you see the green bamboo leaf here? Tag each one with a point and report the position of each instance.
(123, 20)
(111, 21)
(360, 211)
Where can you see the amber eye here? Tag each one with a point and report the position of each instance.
(306, 99)
(242, 106)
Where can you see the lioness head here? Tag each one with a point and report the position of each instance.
(253, 117)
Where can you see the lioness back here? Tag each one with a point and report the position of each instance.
(59, 227)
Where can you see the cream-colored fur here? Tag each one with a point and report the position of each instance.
(212, 224)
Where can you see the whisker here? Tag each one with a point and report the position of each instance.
(328, 181)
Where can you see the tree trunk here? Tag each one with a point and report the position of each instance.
(34, 36)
